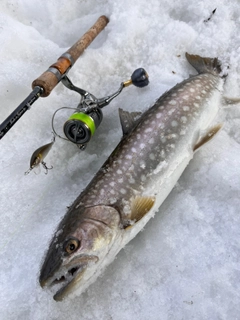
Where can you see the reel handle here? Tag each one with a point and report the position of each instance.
(50, 78)
(139, 78)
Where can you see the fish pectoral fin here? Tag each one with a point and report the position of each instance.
(128, 120)
(140, 206)
(208, 136)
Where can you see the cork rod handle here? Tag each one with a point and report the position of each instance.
(50, 78)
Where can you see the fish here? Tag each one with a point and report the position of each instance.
(38, 156)
(129, 188)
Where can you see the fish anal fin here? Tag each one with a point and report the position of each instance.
(208, 136)
(141, 205)
(128, 120)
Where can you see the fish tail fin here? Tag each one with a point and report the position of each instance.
(204, 65)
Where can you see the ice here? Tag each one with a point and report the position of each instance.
(185, 263)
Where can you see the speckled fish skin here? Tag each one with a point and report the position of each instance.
(144, 167)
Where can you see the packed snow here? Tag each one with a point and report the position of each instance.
(185, 264)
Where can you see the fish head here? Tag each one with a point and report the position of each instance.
(79, 249)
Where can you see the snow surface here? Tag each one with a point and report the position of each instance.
(185, 265)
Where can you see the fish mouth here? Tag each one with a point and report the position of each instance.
(65, 279)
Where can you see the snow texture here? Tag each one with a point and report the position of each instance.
(185, 264)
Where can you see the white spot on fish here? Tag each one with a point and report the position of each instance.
(123, 191)
(142, 145)
(131, 168)
(112, 191)
(134, 150)
(139, 136)
(162, 153)
(108, 175)
(126, 209)
(119, 171)
(148, 130)
(131, 180)
(198, 97)
(112, 200)
(174, 123)
(151, 141)
(120, 180)
(192, 90)
(163, 139)
(143, 165)
(186, 108)
(185, 97)
(172, 136)
(196, 104)
(161, 126)
(158, 115)
(143, 177)
(173, 102)
(183, 119)
(182, 132)
(128, 156)
(152, 156)
(170, 112)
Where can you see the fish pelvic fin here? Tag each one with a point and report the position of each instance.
(204, 65)
(208, 136)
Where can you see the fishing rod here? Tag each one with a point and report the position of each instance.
(43, 85)
(87, 115)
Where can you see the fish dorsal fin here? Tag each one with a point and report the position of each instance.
(140, 206)
(208, 136)
(128, 120)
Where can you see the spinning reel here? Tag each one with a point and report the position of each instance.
(82, 124)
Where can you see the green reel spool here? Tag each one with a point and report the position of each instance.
(80, 127)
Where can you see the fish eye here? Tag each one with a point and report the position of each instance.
(72, 245)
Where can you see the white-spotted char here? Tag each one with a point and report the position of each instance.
(129, 188)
